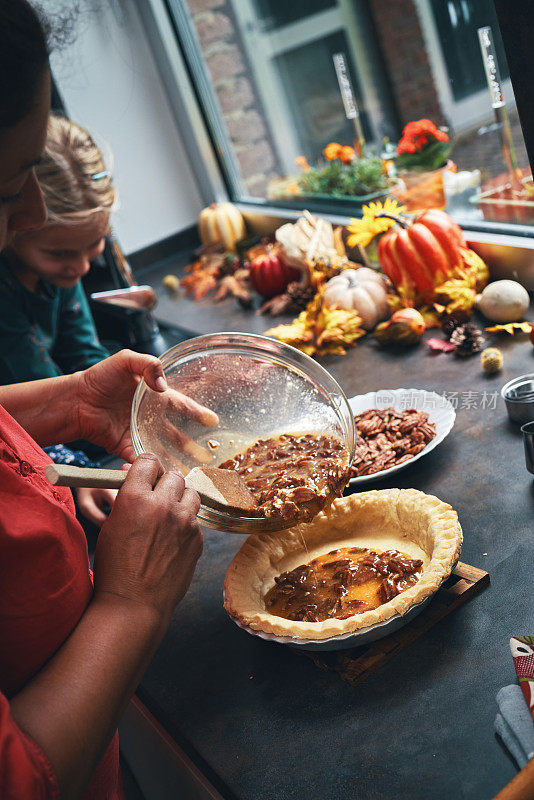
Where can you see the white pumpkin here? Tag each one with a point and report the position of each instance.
(503, 301)
(362, 290)
(221, 222)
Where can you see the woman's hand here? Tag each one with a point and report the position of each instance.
(148, 547)
(95, 504)
(103, 396)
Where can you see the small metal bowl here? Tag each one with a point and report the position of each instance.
(518, 396)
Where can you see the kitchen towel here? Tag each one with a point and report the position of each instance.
(514, 724)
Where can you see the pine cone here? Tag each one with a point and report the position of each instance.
(229, 265)
(453, 321)
(300, 295)
(295, 298)
(467, 339)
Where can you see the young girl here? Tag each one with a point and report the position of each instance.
(46, 327)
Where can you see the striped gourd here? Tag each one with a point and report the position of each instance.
(221, 222)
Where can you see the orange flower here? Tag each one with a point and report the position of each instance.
(332, 151)
(301, 161)
(346, 155)
(292, 188)
(415, 136)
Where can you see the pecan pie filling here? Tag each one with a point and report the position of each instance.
(342, 583)
(293, 476)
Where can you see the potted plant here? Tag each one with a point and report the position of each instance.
(422, 156)
(342, 175)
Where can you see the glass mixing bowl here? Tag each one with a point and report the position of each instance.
(258, 387)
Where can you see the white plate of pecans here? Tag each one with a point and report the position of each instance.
(395, 427)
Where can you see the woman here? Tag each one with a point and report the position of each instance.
(71, 653)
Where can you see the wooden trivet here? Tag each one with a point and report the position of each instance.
(356, 665)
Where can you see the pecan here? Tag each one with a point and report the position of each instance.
(363, 574)
(388, 589)
(301, 494)
(232, 463)
(328, 607)
(344, 577)
(404, 566)
(389, 437)
(257, 483)
(307, 613)
(288, 510)
(341, 563)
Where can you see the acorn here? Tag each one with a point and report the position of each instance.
(171, 283)
(491, 359)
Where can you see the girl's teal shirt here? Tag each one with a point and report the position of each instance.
(45, 333)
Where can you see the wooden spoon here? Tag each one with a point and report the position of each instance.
(218, 488)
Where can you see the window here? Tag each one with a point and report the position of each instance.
(265, 76)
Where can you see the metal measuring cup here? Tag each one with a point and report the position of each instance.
(528, 441)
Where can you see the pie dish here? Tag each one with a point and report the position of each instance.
(418, 525)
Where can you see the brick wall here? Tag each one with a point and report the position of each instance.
(406, 60)
(245, 119)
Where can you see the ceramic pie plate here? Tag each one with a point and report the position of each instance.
(365, 636)
(418, 524)
(440, 412)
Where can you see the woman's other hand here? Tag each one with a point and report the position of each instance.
(149, 545)
(104, 396)
(95, 504)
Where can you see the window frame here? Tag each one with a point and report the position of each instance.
(516, 22)
(176, 50)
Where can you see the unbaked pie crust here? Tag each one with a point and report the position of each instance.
(415, 523)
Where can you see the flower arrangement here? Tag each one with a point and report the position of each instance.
(430, 266)
(341, 174)
(423, 146)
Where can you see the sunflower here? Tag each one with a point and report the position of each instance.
(372, 223)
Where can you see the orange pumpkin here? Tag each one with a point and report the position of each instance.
(418, 255)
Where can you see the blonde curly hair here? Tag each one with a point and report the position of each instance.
(73, 175)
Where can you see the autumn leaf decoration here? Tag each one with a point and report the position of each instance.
(511, 328)
(319, 331)
(441, 345)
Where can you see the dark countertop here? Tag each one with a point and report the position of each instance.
(266, 724)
